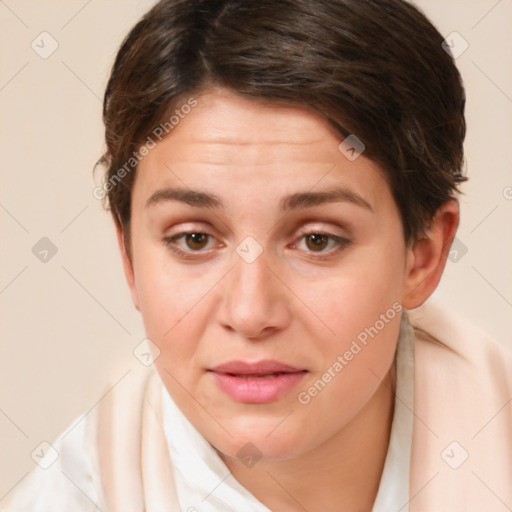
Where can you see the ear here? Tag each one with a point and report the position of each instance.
(127, 265)
(426, 258)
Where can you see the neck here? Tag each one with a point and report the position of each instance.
(343, 473)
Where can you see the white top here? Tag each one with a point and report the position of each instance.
(203, 481)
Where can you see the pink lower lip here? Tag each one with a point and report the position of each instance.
(257, 390)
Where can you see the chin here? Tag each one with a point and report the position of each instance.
(261, 440)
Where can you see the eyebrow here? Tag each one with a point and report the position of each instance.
(292, 202)
(190, 197)
(335, 195)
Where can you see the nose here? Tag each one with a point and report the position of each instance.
(255, 302)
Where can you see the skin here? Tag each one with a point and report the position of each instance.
(299, 303)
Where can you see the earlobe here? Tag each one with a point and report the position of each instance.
(426, 259)
(127, 265)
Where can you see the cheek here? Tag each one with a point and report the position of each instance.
(168, 292)
(358, 311)
(354, 295)
(349, 381)
(172, 305)
(361, 307)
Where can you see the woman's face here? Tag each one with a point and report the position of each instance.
(269, 269)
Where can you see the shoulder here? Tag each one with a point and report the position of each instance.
(63, 479)
(462, 414)
(445, 336)
(67, 476)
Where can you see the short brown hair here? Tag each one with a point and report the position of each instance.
(373, 68)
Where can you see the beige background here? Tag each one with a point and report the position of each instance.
(67, 324)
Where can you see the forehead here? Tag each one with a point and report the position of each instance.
(233, 144)
(222, 119)
(220, 114)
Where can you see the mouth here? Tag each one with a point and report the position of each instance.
(256, 383)
(257, 375)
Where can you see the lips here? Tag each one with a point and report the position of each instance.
(256, 383)
(260, 368)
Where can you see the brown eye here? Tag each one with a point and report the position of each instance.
(196, 241)
(317, 242)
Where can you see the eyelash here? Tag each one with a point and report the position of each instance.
(341, 243)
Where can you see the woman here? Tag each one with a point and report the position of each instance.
(283, 179)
